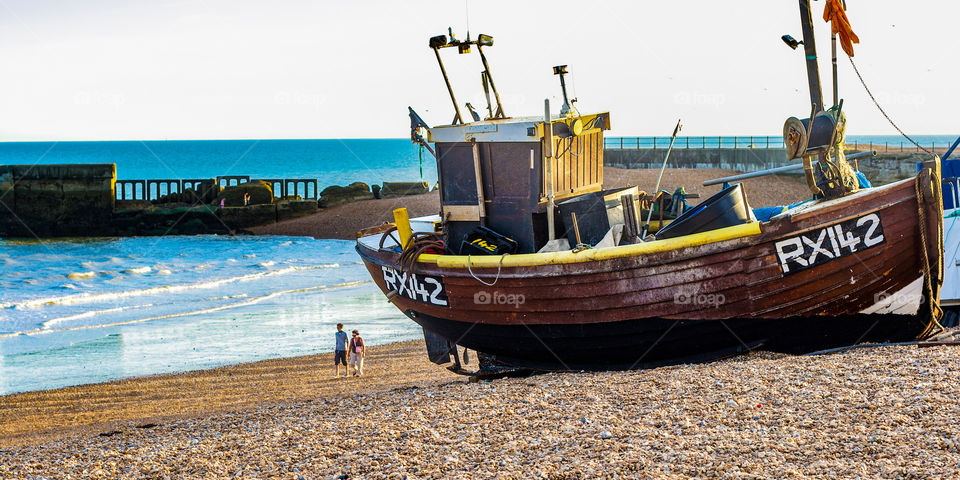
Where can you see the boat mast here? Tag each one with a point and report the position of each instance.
(548, 168)
(488, 40)
(833, 48)
(562, 70)
(486, 93)
(810, 51)
(440, 41)
(436, 43)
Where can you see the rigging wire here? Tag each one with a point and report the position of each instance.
(865, 87)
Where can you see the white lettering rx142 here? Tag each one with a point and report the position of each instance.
(421, 288)
(814, 248)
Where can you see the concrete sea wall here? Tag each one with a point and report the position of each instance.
(743, 159)
(881, 169)
(80, 200)
(55, 200)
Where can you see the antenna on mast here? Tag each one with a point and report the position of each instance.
(566, 108)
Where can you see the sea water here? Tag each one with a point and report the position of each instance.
(79, 311)
(331, 161)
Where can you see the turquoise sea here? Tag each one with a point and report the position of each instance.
(75, 311)
(332, 161)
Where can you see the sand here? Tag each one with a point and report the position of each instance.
(886, 412)
(344, 221)
(40, 416)
(766, 191)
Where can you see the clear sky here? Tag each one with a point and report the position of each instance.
(125, 69)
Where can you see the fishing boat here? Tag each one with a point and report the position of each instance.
(532, 263)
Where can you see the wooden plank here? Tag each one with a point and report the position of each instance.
(461, 213)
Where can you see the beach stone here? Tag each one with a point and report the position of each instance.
(177, 220)
(399, 189)
(881, 428)
(294, 209)
(132, 205)
(244, 217)
(260, 194)
(337, 195)
(205, 193)
(191, 196)
(209, 190)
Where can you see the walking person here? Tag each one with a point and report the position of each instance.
(340, 352)
(357, 353)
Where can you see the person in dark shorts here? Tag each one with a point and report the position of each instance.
(340, 352)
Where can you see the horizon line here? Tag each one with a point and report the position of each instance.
(404, 138)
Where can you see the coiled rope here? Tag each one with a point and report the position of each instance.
(927, 189)
(419, 243)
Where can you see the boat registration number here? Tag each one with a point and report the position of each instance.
(421, 288)
(814, 248)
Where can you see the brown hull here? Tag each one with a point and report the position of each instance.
(743, 282)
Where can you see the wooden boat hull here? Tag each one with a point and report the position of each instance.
(834, 273)
(651, 342)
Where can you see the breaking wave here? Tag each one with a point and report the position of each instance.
(46, 328)
(99, 297)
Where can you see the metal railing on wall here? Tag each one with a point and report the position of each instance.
(154, 189)
(761, 142)
(693, 142)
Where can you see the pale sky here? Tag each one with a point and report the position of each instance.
(113, 70)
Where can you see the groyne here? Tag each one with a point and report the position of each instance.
(38, 201)
(55, 200)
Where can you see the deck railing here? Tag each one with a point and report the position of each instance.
(637, 143)
(763, 142)
(153, 189)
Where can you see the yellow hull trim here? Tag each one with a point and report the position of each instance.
(592, 255)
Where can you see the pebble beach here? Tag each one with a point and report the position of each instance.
(886, 412)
